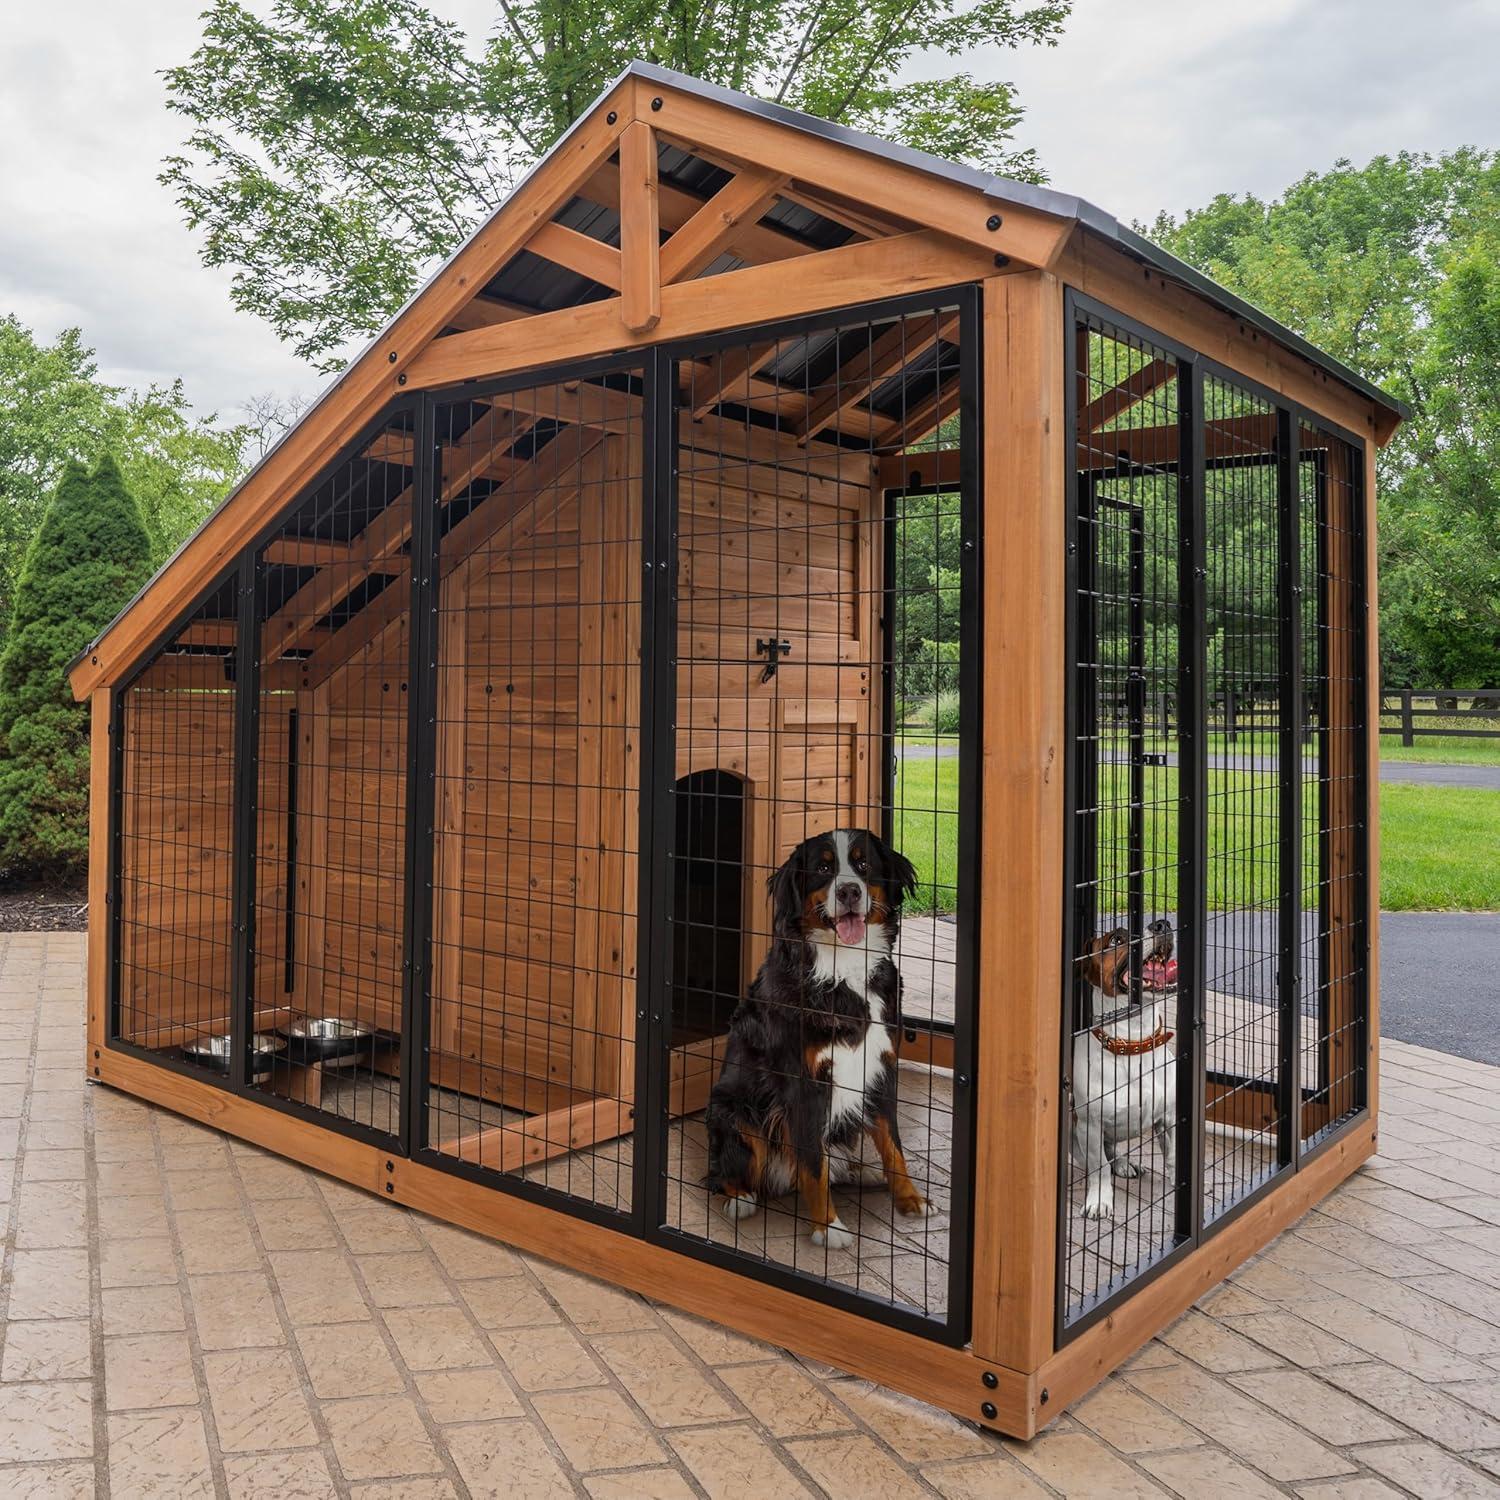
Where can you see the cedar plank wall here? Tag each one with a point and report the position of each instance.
(520, 719)
(176, 868)
(802, 742)
(772, 545)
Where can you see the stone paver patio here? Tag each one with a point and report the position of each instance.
(183, 1315)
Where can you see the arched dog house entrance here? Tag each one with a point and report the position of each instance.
(708, 901)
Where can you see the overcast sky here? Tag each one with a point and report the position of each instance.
(1145, 105)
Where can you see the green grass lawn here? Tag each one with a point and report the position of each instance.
(1438, 844)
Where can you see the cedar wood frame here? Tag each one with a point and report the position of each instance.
(923, 226)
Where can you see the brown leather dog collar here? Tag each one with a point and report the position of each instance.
(1132, 1047)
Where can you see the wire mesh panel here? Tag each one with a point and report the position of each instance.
(1244, 868)
(333, 597)
(1335, 943)
(1122, 1202)
(531, 1017)
(1218, 573)
(174, 820)
(814, 985)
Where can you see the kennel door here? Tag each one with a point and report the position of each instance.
(804, 596)
(536, 652)
(1130, 818)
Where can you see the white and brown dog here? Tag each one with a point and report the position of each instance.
(1124, 1065)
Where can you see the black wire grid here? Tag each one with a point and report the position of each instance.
(1124, 820)
(819, 686)
(382, 801)
(174, 743)
(1217, 782)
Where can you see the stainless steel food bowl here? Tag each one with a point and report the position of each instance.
(214, 1052)
(334, 1041)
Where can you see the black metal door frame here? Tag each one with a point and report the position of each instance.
(659, 690)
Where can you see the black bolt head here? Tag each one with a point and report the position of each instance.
(392, 356)
(990, 1379)
(992, 223)
(611, 117)
(656, 104)
(988, 1412)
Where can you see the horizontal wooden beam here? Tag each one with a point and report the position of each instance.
(504, 1148)
(913, 262)
(577, 252)
(208, 633)
(484, 311)
(938, 466)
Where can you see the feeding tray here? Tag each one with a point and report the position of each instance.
(213, 1052)
(330, 1040)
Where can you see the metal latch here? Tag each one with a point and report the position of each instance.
(774, 650)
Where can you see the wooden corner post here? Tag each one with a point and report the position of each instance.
(1020, 944)
(100, 765)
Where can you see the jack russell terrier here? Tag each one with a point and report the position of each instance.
(1124, 1065)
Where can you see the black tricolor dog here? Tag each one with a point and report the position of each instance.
(810, 1065)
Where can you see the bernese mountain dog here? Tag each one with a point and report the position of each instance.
(810, 1065)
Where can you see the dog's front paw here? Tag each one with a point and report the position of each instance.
(739, 1208)
(834, 1236)
(1098, 1208)
(1121, 1167)
(915, 1207)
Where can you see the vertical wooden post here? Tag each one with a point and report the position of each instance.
(100, 761)
(1408, 724)
(1372, 779)
(1018, 1083)
(640, 233)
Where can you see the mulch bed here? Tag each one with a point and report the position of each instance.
(43, 908)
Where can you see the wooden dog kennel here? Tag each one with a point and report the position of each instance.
(741, 479)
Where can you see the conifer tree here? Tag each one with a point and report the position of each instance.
(88, 558)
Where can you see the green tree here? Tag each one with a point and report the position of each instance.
(338, 147)
(90, 554)
(54, 409)
(1395, 268)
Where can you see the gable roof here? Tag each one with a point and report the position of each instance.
(494, 279)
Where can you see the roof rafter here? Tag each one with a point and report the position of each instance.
(746, 196)
(858, 376)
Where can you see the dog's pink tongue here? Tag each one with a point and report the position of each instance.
(850, 928)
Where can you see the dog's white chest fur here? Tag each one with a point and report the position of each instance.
(1128, 1094)
(856, 1069)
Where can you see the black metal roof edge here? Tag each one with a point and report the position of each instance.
(1023, 194)
(1027, 195)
